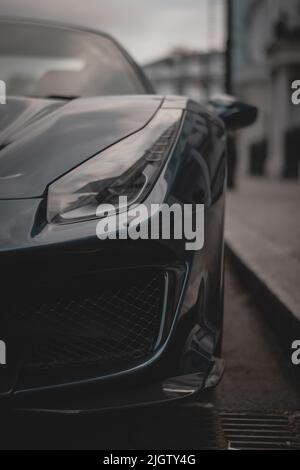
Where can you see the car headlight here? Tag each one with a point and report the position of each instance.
(128, 168)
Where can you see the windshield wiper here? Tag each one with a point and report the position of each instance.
(62, 97)
(56, 97)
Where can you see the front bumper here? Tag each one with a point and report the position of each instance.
(63, 357)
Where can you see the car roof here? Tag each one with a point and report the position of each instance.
(83, 29)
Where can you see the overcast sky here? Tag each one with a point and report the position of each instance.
(147, 28)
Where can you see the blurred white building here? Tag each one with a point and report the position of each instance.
(265, 61)
(193, 74)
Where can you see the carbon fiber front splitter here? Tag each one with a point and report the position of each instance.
(176, 388)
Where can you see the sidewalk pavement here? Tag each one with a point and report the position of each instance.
(263, 234)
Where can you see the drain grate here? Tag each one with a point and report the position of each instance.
(260, 431)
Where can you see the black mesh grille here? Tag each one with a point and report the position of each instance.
(108, 328)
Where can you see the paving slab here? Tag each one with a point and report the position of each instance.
(263, 232)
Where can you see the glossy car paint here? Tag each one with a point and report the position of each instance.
(41, 140)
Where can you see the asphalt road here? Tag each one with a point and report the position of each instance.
(256, 405)
(259, 375)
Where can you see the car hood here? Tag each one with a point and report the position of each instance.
(40, 139)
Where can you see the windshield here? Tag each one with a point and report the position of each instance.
(46, 61)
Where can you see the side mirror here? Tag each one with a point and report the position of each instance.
(234, 113)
